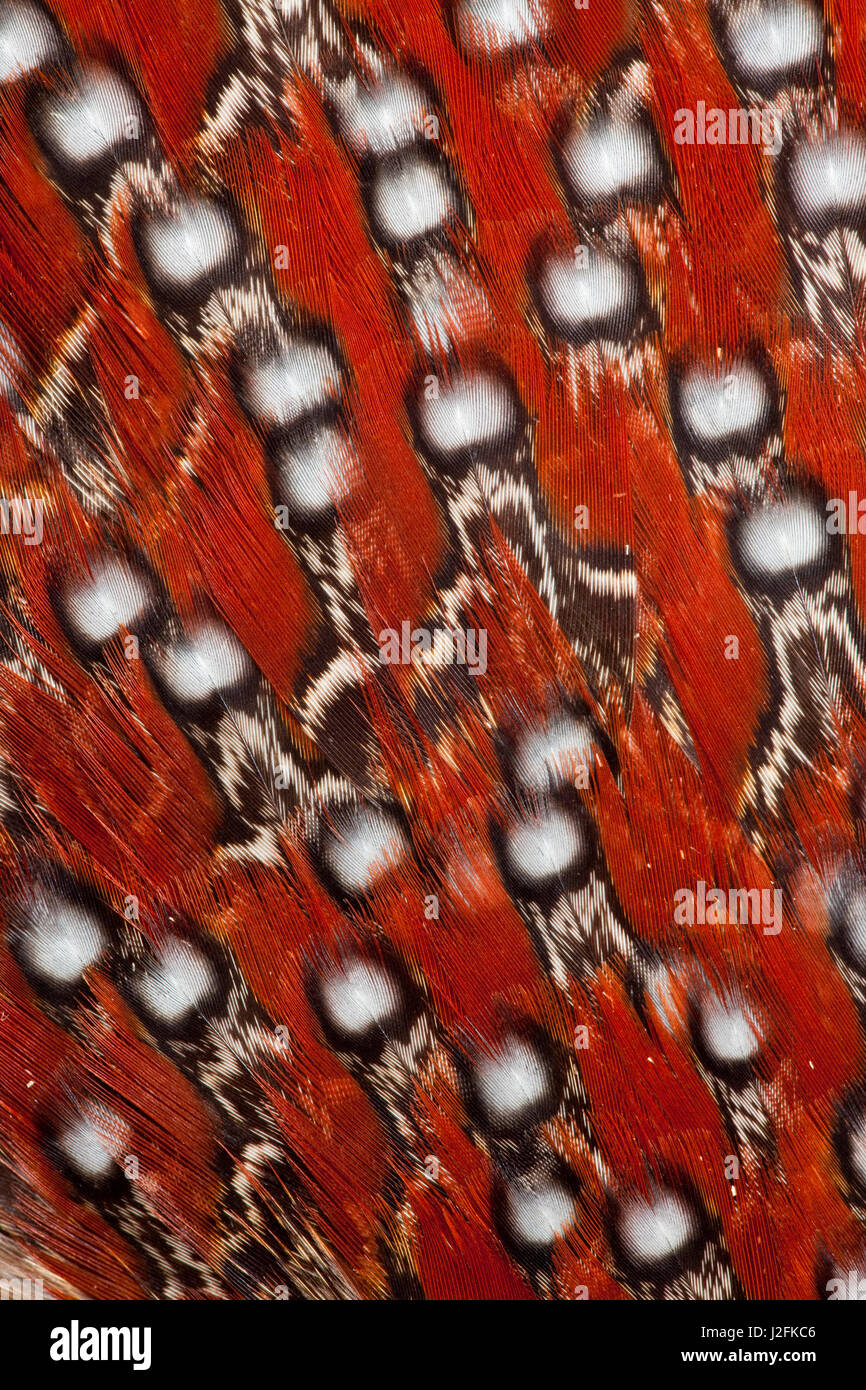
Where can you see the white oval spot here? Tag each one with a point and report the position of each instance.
(189, 244)
(827, 179)
(537, 1215)
(511, 1081)
(410, 199)
(59, 938)
(314, 473)
(496, 25)
(610, 159)
(551, 757)
(780, 538)
(468, 413)
(83, 125)
(86, 1149)
(177, 981)
(543, 847)
(589, 293)
(718, 403)
(770, 39)
(385, 116)
(360, 995)
(284, 386)
(207, 661)
(28, 40)
(728, 1030)
(656, 1229)
(361, 846)
(114, 596)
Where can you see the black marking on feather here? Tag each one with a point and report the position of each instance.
(700, 1270)
(794, 83)
(573, 916)
(808, 623)
(826, 246)
(172, 1269)
(742, 460)
(663, 700)
(620, 102)
(223, 1051)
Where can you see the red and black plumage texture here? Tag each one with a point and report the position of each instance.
(328, 973)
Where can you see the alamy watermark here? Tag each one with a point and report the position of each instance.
(77, 1343)
(852, 1288)
(718, 907)
(440, 646)
(737, 126)
(847, 516)
(24, 1290)
(22, 516)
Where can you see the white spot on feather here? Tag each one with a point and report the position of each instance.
(543, 847)
(114, 596)
(467, 413)
(86, 1149)
(609, 158)
(780, 538)
(771, 39)
(359, 995)
(728, 1029)
(189, 244)
(497, 25)
(286, 385)
(588, 292)
(383, 117)
(537, 1215)
(716, 403)
(207, 661)
(655, 1229)
(854, 925)
(28, 40)
(314, 473)
(60, 939)
(827, 179)
(549, 758)
(410, 199)
(83, 125)
(511, 1081)
(179, 980)
(361, 846)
